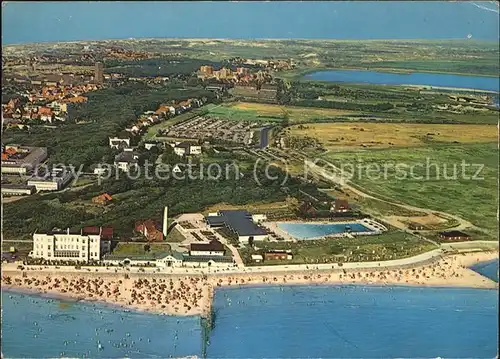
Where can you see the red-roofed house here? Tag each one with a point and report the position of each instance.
(102, 199)
(45, 114)
(149, 230)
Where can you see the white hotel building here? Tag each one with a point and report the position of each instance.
(69, 246)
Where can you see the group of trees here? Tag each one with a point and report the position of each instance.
(144, 198)
(179, 67)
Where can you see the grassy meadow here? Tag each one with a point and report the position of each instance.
(438, 189)
(386, 246)
(334, 136)
(253, 111)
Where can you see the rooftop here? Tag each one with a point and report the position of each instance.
(218, 259)
(454, 234)
(239, 221)
(212, 246)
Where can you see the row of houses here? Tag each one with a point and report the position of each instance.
(47, 104)
(164, 111)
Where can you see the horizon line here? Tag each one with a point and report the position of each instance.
(247, 39)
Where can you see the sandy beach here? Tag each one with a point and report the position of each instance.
(192, 294)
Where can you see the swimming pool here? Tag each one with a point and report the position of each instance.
(315, 230)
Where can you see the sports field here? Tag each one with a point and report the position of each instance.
(386, 135)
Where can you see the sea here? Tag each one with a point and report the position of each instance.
(415, 78)
(350, 20)
(266, 321)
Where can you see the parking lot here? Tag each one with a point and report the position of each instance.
(240, 132)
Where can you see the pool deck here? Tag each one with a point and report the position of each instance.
(373, 226)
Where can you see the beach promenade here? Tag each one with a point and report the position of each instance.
(189, 291)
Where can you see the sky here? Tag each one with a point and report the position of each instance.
(44, 21)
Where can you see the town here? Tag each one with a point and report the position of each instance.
(234, 112)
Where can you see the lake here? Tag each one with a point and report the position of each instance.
(415, 78)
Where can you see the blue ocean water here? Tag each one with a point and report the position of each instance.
(270, 321)
(313, 230)
(73, 20)
(36, 327)
(488, 269)
(415, 78)
(354, 322)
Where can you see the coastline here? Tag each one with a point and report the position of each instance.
(188, 295)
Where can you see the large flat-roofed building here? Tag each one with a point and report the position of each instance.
(22, 159)
(17, 189)
(53, 181)
(239, 222)
(78, 246)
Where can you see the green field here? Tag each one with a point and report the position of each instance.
(473, 199)
(386, 246)
(230, 112)
(140, 249)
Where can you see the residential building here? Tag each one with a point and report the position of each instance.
(58, 107)
(150, 230)
(119, 143)
(207, 70)
(55, 180)
(240, 223)
(340, 206)
(72, 246)
(17, 189)
(455, 236)
(127, 160)
(414, 226)
(106, 233)
(22, 159)
(186, 148)
(278, 255)
(102, 199)
(214, 248)
(149, 145)
(45, 114)
(242, 70)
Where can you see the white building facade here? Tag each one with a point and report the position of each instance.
(68, 246)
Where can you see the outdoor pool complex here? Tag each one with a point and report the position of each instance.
(317, 230)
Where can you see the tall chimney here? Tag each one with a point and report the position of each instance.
(165, 222)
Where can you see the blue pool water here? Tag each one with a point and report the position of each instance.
(36, 327)
(415, 78)
(488, 269)
(354, 322)
(314, 230)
